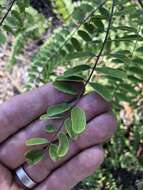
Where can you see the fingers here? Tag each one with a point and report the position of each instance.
(23, 109)
(93, 104)
(98, 130)
(5, 178)
(74, 171)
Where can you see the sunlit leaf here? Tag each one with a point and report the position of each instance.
(78, 119)
(68, 128)
(63, 147)
(36, 141)
(57, 109)
(53, 152)
(102, 90)
(117, 73)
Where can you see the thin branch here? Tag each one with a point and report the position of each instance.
(141, 3)
(104, 43)
(7, 12)
(100, 53)
(93, 69)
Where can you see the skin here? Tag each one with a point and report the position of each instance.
(19, 121)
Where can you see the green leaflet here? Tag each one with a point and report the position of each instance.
(76, 70)
(36, 141)
(74, 78)
(125, 28)
(78, 14)
(78, 119)
(68, 128)
(140, 49)
(122, 56)
(89, 27)
(58, 109)
(46, 117)
(102, 90)
(112, 72)
(84, 35)
(137, 61)
(80, 54)
(50, 128)
(34, 156)
(53, 152)
(2, 38)
(136, 70)
(104, 12)
(64, 87)
(76, 44)
(131, 37)
(98, 23)
(63, 147)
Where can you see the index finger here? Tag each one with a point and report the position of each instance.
(22, 109)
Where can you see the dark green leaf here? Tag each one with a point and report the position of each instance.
(75, 78)
(65, 87)
(102, 90)
(84, 35)
(98, 23)
(89, 27)
(76, 44)
(112, 72)
(140, 49)
(76, 70)
(34, 156)
(50, 128)
(57, 109)
(75, 55)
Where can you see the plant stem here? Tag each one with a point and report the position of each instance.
(93, 69)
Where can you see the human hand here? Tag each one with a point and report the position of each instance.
(19, 121)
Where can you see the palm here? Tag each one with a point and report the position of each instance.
(18, 122)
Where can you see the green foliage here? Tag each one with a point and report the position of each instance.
(63, 8)
(25, 24)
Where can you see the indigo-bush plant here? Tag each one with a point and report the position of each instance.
(99, 44)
